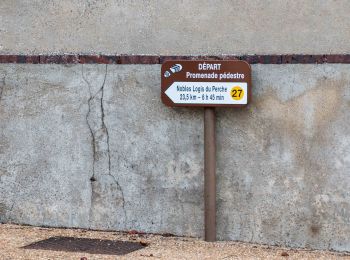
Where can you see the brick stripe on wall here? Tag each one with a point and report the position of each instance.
(154, 59)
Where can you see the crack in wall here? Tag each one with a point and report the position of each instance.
(2, 86)
(95, 128)
(104, 127)
(88, 124)
(93, 142)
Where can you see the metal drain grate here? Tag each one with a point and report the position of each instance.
(87, 245)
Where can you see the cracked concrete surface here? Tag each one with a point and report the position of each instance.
(92, 146)
(101, 166)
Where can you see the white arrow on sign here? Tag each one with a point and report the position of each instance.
(208, 93)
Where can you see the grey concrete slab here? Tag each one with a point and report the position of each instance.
(284, 162)
(187, 27)
(93, 146)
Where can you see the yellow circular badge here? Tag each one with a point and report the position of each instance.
(237, 93)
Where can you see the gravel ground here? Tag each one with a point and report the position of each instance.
(13, 237)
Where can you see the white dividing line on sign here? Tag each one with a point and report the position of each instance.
(208, 93)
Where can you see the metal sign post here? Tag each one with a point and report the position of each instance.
(207, 84)
(209, 174)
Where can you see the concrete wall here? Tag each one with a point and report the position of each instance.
(92, 146)
(174, 27)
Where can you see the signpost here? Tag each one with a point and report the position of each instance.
(207, 84)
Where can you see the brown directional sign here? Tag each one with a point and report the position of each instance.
(206, 83)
